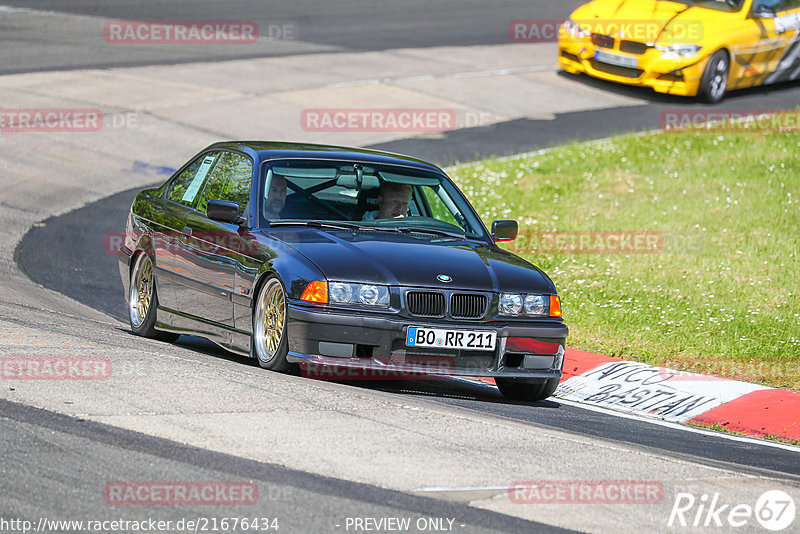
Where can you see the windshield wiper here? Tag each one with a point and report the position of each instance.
(337, 225)
(431, 231)
(341, 225)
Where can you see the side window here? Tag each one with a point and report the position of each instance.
(439, 210)
(792, 5)
(777, 5)
(187, 185)
(231, 179)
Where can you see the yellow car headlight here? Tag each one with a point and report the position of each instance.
(573, 30)
(677, 51)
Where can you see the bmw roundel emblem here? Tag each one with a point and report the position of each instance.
(444, 278)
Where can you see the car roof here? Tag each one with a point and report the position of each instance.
(279, 150)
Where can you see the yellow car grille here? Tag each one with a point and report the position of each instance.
(603, 41)
(632, 47)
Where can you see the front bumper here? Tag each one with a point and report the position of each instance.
(374, 346)
(677, 77)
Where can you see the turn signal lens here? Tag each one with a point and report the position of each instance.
(555, 306)
(316, 292)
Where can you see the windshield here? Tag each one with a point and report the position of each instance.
(365, 195)
(720, 5)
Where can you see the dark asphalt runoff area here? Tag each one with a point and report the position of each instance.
(341, 25)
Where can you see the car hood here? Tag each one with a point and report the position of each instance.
(398, 259)
(659, 21)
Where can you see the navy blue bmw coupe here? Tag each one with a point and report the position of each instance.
(315, 256)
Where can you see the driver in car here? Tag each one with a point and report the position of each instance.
(276, 198)
(393, 200)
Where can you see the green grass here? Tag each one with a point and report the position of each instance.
(721, 297)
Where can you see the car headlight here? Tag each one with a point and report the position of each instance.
(575, 31)
(363, 294)
(535, 305)
(510, 304)
(675, 51)
(521, 305)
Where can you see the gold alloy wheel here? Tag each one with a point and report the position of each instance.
(141, 294)
(270, 320)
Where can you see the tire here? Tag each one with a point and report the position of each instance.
(715, 78)
(269, 343)
(519, 390)
(143, 301)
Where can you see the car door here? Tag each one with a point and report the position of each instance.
(787, 27)
(758, 47)
(180, 198)
(210, 248)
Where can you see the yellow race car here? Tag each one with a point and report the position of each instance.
(697, 48)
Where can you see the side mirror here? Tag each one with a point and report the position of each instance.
(504, 230)
(224, 211)
(764, 12)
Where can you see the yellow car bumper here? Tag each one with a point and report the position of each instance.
(676, 77)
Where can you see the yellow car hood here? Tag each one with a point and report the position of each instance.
(659, 21)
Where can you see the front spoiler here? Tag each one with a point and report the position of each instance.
(388, 358)
(357, 369)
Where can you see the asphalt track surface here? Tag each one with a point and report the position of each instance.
(83, 456)
(67, 254)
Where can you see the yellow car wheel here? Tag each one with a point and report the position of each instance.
(715, 78)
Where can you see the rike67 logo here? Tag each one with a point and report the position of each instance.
(774, 510)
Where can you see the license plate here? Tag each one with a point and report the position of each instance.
(451, 339)
(614, 59)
